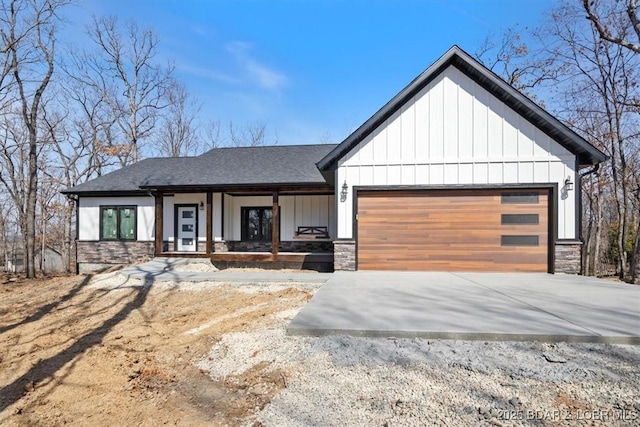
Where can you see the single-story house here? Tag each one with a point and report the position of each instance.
(458, 172)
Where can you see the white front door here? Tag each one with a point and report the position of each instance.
(187, 233)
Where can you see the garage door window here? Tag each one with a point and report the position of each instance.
(520, 198)
(519, 240)
(520, 219)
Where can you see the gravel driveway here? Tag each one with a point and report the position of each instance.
(342, 380)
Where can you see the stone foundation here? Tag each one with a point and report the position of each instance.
(344, 255)
(568, 257)
(220, 246)
(305, 246)
(237, 246)
(284, 246)
(100, 254)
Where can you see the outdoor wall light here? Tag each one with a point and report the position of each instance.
(201, 205)
(344, 192)
(568, 185)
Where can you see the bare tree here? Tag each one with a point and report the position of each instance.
(249, 135)
(133, 85)
(597, 99)
(511, 58)
(618, 22)
(178, 133)
(27, 30)
(47, 195)
(73, 160)
(212, 135)
(5, 226)
(89, 124)
(602, 13)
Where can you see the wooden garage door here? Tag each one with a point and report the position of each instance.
(453, 230)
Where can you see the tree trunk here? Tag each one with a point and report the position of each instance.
(597, 270)
(68, 218)
(43, 245)
(32, 191)
(4, 241)
(587, 248)
(635, 260)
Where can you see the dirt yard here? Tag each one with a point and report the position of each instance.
(106, 350)
(75, 353)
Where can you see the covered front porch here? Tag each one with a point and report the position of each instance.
(248, 227)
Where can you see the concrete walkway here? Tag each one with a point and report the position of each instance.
(481, 306)
(164, 269)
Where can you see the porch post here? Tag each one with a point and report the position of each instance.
(209, 222)
(159, 222)
(275, 222)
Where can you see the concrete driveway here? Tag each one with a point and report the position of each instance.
(482, 306)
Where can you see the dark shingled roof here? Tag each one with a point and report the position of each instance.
(587, 154)
(220, 167)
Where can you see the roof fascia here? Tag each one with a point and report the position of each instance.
(223, 187)
(114, 193)
(386, 111)
(457, 57)
(512, 98)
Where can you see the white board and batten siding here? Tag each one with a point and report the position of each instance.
(89, 215)
(295, 211)
(168, 214)
(454, 132)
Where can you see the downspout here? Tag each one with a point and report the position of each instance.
(593, 170)
(589, 172)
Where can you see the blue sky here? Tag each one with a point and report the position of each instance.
(312, 71)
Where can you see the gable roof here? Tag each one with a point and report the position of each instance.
(586, 153)
(219, 167)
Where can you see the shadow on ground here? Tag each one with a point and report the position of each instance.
(46, 368)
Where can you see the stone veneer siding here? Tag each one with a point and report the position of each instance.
(568, 258)
(220, 246)
(104, 253)
(284, 246)
(344, 255)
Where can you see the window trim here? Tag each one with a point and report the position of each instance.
(243, 231)
(118, 208)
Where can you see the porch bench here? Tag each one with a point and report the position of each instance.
(311, 232)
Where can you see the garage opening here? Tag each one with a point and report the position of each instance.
(454, 230)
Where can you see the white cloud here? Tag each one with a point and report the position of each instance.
(261, 74)
(207, 73)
